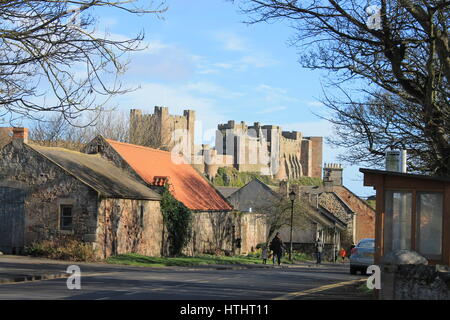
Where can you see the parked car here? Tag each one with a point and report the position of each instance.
(362, 256)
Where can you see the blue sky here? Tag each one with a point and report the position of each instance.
(202, 57)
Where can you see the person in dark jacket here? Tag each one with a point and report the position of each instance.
(277, 246)
(349, 251)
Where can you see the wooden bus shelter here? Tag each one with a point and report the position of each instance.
(412, 213)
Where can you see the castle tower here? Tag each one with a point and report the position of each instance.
(332, 174)
(190, 127)
(164, 131)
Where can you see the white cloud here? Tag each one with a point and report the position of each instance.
(231, 41)
(314, 104)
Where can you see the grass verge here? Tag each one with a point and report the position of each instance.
(185, 261)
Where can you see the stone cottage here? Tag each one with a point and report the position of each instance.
(214, 221)
(253, 225)
(335, 214)
(255, 201)
(49, 192)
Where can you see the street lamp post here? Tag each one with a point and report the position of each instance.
(292, 198)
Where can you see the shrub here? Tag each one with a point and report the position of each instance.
(62, 249)
(178, 221)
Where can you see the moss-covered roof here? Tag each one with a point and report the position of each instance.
(98, 173)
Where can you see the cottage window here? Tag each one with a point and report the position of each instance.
(429, 223)
(398, 220)
(65, 217)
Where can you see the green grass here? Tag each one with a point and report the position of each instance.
(140, 260)
(184, 261)
(363, 288)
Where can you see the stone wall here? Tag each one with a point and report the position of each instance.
(162, 130)
(226, 233)
(122, 229)
(46, 187)
(253, 231)
(365, 215)
(292, 155)
(213, 232)
(316, 156)
(331, 202)
(420, 282)
(265, 149)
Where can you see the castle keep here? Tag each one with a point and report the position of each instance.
(259, 148)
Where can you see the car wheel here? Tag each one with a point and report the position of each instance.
(352, 270)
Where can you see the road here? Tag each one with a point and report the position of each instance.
(137, 283)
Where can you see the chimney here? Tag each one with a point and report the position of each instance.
(20, 134)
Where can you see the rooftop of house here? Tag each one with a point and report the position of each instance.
(187, 184)
(404, 175)
(98, 173)
(227, 191)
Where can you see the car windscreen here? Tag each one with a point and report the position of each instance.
(369, 244)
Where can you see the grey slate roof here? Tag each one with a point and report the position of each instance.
(98, 173)
(227, 191)
(253, 195)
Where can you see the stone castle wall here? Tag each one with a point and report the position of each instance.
(162, 130)
(258, 148)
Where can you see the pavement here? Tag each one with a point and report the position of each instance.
(19, 279)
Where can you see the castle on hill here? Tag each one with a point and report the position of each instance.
(265, 149)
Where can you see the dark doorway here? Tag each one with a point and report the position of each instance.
(12, 220)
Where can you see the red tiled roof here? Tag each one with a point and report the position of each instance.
(188, 185)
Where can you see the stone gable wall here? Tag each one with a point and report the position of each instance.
(365, 215)
(47, 187)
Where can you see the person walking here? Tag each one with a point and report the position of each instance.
(342, 253)
(264, 254)
(277, 247)
(350, 250)
(336, 253)
(319, 249)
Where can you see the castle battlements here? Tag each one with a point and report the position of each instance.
(248, 148)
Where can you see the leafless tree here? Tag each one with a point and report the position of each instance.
(55, 131)
(391, 62)
(52, 57)
(277, 213)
